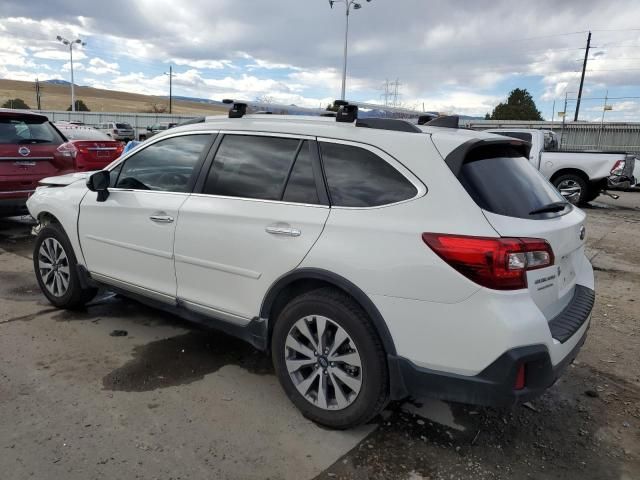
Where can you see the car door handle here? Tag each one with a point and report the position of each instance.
(161, 218)
(283, 230)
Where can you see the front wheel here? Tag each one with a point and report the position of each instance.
(329, 359)
(572, 187)
(55, 265)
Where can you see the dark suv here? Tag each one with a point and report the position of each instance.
(28, 153)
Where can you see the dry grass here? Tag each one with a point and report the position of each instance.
(57, 97)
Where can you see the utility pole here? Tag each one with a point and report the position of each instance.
(584, 69)
(38, 94)
(170, 86)
(396, 84)
(553, 112)
(605, 107)
(564, 116)
(386, 93)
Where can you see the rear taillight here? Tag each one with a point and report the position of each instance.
(68, 150)
(497, 263)
(520, 381)
(618, 168)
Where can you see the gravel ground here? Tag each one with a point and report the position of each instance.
(168, 400)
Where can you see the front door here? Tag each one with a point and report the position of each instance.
(128, 239)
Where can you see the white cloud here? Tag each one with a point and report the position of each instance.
(98, 66)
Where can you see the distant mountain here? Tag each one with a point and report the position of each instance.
(197, 100)
(57, 81)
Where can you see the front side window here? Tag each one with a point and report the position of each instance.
(357, 177)
(251, 166)
(167, 165)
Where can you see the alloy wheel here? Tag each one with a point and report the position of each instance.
(53, 266)
(323, 362)
(571, 190)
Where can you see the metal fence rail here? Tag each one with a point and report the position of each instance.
(576, 135)
(139, 121)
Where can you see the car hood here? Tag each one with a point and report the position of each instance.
(68, 179)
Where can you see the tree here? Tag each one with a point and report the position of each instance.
(519, 106)
(80, 107)
(487, 116)
(16, 103)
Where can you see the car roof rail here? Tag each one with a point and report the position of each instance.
(445, 121)
(422, 119)
(345, 111)
(395, 124)
(237, 110)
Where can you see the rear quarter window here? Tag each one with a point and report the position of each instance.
(357, 177)
(502, 181)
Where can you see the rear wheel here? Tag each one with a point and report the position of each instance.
(55, 265)
(329, 359)
(572, 187)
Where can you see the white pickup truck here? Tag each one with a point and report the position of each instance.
(579, 176)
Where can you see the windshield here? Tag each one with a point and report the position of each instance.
(83, 133)
(500, 180)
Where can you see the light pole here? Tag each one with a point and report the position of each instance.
(70, 43)
(349, 4)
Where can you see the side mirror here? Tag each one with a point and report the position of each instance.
(99, 182)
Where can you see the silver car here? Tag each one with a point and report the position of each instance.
(118, 131)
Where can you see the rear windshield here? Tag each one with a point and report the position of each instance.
(27, 131)
(86, 133)
(124, 126)
(502, 181)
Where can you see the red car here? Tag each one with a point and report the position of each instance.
(32, 148)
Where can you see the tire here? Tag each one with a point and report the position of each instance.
(53, 244)
(592, 194)
(571, 182)
(348, 406)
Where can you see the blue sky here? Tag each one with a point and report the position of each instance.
(451, 56)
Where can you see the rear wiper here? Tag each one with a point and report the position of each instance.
(550, 207)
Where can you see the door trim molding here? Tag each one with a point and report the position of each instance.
(229, 317)
(131, 246)
(243, 272)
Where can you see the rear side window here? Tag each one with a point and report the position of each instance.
(251, 166)
(27, 131)
(357, 177)
(502, 181)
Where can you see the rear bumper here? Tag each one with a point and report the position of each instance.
(494, 386)
(14, 202)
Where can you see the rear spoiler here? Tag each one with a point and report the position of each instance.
(456, 158)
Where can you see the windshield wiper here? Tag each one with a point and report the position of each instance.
(550, 207)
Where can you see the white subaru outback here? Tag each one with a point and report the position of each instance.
(373, 259)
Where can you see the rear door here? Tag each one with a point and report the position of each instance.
(260, 210)
(510, 192)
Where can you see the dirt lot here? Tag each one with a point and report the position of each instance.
(170, 401)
